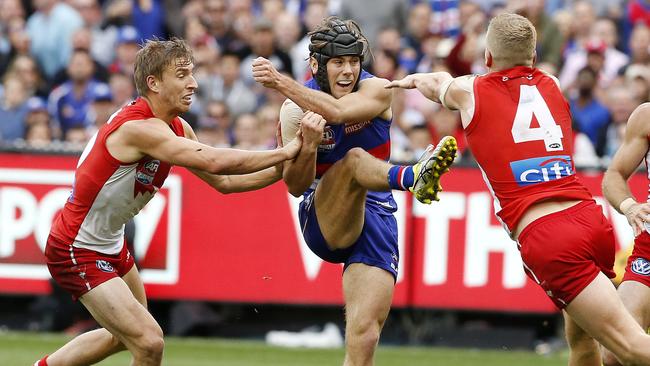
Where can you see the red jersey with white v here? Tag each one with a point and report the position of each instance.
(106, 192)
(521, 137)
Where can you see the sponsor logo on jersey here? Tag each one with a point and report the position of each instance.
(539, 170)
(329, 141)
(104, 266)
(641, 266)
(351, 128)
(147, 172)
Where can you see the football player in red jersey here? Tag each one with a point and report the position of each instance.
(518, 127)
(121, 168)
(634, 290)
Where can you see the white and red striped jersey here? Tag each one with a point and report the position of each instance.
(106, 192)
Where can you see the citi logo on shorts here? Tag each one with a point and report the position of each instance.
(539, 170)
(104, 266)
(641, 267)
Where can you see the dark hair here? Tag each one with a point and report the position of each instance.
(155, 56)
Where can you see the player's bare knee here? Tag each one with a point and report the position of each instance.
(150, 346)
(352, 157)
(364, 334)
(116, 344)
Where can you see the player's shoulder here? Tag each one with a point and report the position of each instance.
(465, 82)
(638, 120)
(551, 76)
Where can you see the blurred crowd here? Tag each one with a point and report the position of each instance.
(66, 66)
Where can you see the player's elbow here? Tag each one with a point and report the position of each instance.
(296, 189)
(220, 166)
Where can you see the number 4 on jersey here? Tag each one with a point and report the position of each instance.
(531, 103)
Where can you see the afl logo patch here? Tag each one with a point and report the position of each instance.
(104, 266)
(147, 171)
(641, 267)
(328, 142)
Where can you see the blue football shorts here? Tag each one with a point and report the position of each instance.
(376, 245)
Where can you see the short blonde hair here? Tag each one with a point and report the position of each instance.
(155, 56)
(511, 40)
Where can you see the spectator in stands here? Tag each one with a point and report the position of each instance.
(549, 39)
(268, 116)
(374, 15)
(216, 17)
(76, 137)
(640, 45)
(386, 65)
(215, 126)
(462, 58)
(638, 77)
(37, 113)
(597, 54)
(583, 10)
(314, 12)
(589, 114)
(38, 135)
(621, 101)
(224, 83)
(13, 110)
(82, 39)
(127, 47)
(417, 31)
(148, 17)
(206, 49)
(102, 37)
(287, 30)
(102, 106)
(11, 9)
(18, 44)
(27, 70)
(50, 28)
(69, 103)
(271, 9)
(263, 44)
(389, 39)
(636, 12)
(246, 132)
(122, 88)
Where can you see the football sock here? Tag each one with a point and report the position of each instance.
(401, 177)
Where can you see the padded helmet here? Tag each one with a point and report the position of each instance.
(338, 41)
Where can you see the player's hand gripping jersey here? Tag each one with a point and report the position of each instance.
(521, 137)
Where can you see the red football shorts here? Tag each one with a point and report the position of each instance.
(79, 270)
(564, 251)
(638, 264)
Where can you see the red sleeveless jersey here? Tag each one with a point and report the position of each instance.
(106, 192)
(521, 137)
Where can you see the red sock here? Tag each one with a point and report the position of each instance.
(42, 361)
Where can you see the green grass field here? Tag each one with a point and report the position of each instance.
(25, 348)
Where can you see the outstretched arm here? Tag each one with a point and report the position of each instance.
(237, 183)
(153, 137)
(625, 162)
(456, 93)
(430, 85)
(370, 101)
